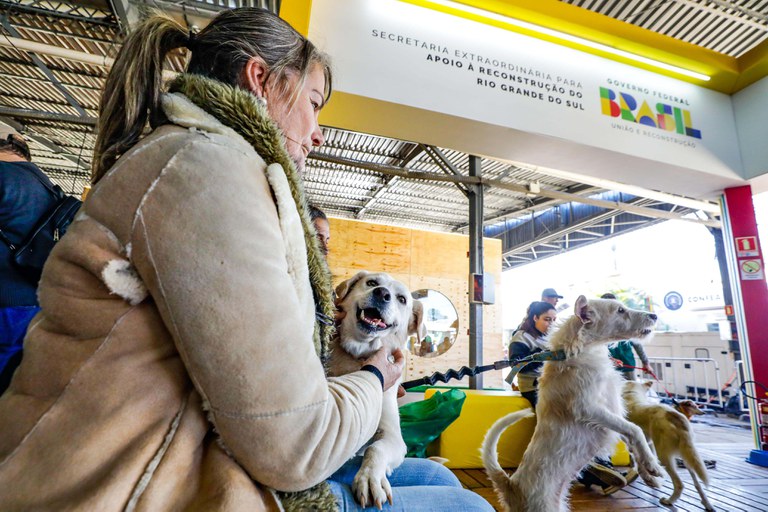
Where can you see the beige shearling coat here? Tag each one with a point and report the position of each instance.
(179, 300)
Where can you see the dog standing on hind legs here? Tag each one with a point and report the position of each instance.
(669, 432)
(580, 412)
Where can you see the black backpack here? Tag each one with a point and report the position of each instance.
(30, 256)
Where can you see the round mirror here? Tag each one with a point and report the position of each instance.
(441, 321)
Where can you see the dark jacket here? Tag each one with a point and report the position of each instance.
(23, 201)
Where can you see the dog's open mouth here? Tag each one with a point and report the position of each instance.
(371, 318)
(645, 332)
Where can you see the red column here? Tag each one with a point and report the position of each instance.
(750, 294)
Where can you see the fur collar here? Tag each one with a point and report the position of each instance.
(240, 113)
(238, 110)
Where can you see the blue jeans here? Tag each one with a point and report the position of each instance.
(417, 485)
(13, 327)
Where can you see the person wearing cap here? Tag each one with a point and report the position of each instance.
(23, 200)
(621, 352)
(551, 296)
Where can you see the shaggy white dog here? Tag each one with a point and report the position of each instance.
(580, 413)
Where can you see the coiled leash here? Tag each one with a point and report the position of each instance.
(516, 364)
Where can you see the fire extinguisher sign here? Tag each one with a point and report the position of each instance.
(746, 246)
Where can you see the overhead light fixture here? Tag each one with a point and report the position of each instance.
(476, 11)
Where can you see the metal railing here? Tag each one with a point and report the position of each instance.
(689, 378)
(740, 376)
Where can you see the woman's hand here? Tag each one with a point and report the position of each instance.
(391, 370)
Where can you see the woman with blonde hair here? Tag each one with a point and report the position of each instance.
(176, 362)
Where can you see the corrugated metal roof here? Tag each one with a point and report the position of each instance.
(730, 27)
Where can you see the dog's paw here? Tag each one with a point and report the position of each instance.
(648, 472)
(654, 469)
(666, 501)
(650, 481)
(371, 488)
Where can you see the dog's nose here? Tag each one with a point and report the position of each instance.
(382, 294)
(652, 316)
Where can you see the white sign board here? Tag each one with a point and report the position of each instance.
(409, 55)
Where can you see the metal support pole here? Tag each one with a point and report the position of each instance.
(722, 261)
(475, 195)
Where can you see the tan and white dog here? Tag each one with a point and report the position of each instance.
(669, 433)
(579, 413)
(380, 312)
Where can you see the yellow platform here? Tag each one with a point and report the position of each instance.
(460, 442)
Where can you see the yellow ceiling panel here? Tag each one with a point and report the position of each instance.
(727, 74)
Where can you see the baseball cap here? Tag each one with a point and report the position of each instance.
(550, 292)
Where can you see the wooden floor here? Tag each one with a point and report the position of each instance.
(734, 485)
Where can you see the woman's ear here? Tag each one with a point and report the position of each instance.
(255, 75)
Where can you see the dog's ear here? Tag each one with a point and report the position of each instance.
(581, 310)
(416, 323)
(343, 288)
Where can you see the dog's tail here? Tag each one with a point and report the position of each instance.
(490, 457)
(687, 449)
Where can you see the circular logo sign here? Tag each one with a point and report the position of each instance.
(673, 301)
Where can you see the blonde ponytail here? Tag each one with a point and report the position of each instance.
(131, 94)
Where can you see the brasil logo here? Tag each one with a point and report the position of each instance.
(666, 117)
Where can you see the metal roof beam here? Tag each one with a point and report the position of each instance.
(517, 212)
(630, 189)
(25, 113)
(562, 234)
(127, 14)
(412, 155)
(391, 180)
(409, 157)
(77, 13)
(52, 31)
(43, 81)
(18, 43)
(199, 12)
(443, 163)
(65, 53)
(26, 63)
(47, 72)
(471, 180)
(722, 12)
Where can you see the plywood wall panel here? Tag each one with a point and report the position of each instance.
(364, 246)
(424, 259)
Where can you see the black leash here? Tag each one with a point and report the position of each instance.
(516, 364)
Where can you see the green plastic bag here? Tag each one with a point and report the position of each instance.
(422, 422)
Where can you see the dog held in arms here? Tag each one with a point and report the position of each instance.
(669, 433)
(579, 414)
(379, 312)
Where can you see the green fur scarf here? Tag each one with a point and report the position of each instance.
(239, 110)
